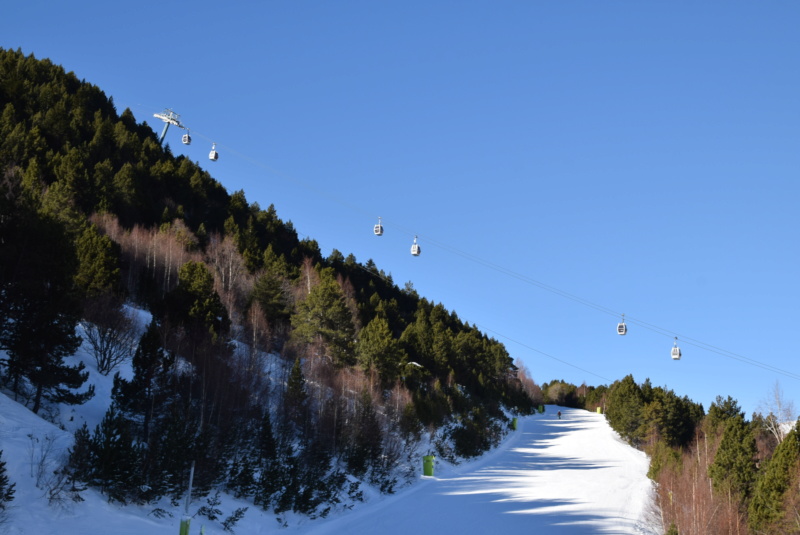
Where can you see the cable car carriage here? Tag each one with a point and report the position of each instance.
(621, 327)
(676, 351)
(415, 250)
(378, 229)
(213, 155)
(186, 138)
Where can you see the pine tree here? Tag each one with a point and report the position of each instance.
(117, 460)
(40, 308)
(734, 466)
(624, 409)
(324, 316)
(766, 507)
(295, 398)
(377, 349)
(142, 397)
(195, 303)
(98, 268)
(6, 489)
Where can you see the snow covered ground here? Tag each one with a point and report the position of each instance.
(568, 476)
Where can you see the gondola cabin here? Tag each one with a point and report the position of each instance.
(676, 351)
(378, 229)
(415, 250)
(213, 155)
(621, 327)
(186, 139)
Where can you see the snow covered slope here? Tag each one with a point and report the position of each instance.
(568, 476)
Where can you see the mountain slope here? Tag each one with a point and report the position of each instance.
(570, 476)
(558, 476)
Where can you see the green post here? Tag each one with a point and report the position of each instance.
(599, 410)
(427, 465)
(541, 409)
(185, 521)
(514, 424)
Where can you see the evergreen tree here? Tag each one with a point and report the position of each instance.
(6, 489)
(40, 308)
(377, 349)
(366, 437)
(117, 460)
(734, 466)
(766, 507)
(720, 412)
(624, 409)
(269, 293)
(195, 303)
(295, 398)
(323, 316)
(98, 263)
(143, 396)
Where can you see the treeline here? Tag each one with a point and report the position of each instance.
(715, 472)
(275, 370)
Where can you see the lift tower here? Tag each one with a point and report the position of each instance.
(169, 117)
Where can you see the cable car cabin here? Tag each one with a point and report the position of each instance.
(378, 229)
(622, 328)
(415, 250)
(186, 139)
(213, 155)
(676, 351)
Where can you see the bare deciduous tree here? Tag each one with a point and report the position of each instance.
(111, 332)
(779, 413)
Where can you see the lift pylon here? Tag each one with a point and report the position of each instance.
(169, 117)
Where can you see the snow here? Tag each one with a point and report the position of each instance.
(572, 475)
(563, 476)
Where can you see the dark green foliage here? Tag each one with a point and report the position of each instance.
(40, 310)
(295, 398)
(734, 466)
(647, 413)
(624, 410)
(116, 460)
(663, 456)
(6, 488)
(195, 304)
(766, 507)
(323, 318)
(148, 389)
(378, 350)
(720, 412)
(98, 263)
(230, 522)
(668, 417)
(475, 434)
(270, 294)
(366, 438)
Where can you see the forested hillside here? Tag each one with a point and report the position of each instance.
(715, 472)
(96, 214)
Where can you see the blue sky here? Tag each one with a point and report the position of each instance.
(561, 162)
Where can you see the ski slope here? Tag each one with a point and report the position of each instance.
(568, 476)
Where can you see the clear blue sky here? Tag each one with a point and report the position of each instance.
(641, 157)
